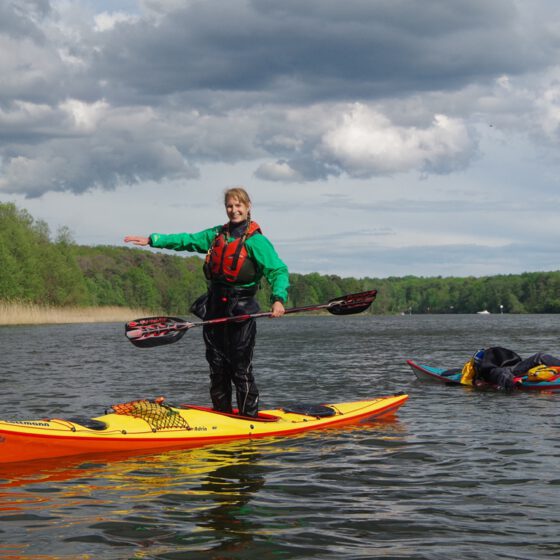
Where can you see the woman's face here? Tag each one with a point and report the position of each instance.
(236, 210)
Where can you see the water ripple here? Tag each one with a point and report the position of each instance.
(457, 474)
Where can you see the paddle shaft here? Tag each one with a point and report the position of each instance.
(186, 325)
(258, 315)
(165, 330)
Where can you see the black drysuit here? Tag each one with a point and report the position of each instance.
(229, 349)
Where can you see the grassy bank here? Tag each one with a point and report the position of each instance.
(30, 314)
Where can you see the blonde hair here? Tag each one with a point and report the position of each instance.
(237, 192)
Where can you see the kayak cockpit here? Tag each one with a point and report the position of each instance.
(301, 409)
(262, 417)
(89, 423)
(315, 410)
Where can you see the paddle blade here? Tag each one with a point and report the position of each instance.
(155, 331)
(351, 304)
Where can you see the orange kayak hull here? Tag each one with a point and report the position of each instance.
(31, 440)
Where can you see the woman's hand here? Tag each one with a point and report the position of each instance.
(137, 240)
(277, 309)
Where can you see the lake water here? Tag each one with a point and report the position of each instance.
(456, 474)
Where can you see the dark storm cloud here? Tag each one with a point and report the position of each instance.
(317, 50)
(312, 90)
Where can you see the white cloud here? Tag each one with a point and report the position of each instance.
(277, 171)
(86, 116)
(107, 20)
(366, 143)
(548, 108)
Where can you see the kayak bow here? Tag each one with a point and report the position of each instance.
(150, 425)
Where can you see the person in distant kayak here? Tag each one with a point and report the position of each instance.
(238, 255)
(499, 366)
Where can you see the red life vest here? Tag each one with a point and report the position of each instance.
(230, 261)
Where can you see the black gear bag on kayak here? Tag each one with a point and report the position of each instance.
(495, 357)
(494, 365)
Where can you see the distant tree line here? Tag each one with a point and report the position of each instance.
(52, 270)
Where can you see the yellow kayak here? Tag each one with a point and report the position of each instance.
(145, 425)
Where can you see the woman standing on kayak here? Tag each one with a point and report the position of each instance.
(238, 255)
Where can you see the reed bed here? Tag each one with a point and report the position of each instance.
(22, 313)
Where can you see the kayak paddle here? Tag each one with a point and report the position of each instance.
(156, 331)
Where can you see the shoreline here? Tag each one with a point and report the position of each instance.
(33, 314)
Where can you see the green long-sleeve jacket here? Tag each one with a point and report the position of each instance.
(259, 249)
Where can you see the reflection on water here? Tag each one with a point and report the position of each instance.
(456, 474)
(132, 502)
(213, 500)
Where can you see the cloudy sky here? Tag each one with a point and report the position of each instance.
(376, 137)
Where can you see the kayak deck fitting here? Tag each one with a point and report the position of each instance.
(145, 425)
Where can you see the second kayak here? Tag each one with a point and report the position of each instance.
(425, 372)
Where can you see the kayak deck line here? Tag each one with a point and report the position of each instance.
(47, 438)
